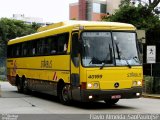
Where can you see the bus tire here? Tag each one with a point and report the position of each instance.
(19, 85)
(25, 86)
(111, 102)
(64, 94)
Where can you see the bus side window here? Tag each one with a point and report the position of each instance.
(9, 51)
(40, 47)
(24, 49)
(63, 43)
(18, 50)
(53, 45)
(13, 50)
(32, 48)
(45, 46)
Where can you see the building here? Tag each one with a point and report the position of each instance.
(73, 11)
(112, 5)
(29, 20)
(92, 9)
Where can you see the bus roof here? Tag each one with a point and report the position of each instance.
(84, 23)
(62, 27)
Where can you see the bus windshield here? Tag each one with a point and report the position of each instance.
(109, 49)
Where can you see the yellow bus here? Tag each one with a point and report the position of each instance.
(78, 60)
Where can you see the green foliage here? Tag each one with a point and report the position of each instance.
(2, 70)
(139, 16)
(124, 3)
(148, 84)
(10, 28)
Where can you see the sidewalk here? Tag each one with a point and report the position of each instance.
(146, 95)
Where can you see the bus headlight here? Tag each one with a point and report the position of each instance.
(89, 85)
(139, 83)
(136, 83)
(96, 85)
(93, 85)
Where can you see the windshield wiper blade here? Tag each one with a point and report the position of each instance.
(106, 61)
(122, 57)
(95, 61)
(102, 66)
(118, 52)
(127, 62)
(135, 58)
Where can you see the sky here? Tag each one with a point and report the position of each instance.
(49, 10)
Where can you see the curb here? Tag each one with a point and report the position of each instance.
(151, 96)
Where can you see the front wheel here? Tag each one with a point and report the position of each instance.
(65, 94)
(111, 102)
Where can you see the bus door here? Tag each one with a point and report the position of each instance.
(75, 63)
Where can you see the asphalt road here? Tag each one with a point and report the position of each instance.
(12, 102)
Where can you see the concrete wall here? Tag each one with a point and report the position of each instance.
(112, 5)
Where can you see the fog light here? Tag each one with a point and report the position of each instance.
(89, 85)
(95, 85)
(138, 94)
(134, 83)
(90, 97)
(139, 82)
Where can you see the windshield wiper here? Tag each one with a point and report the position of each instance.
(122, 57)
(110, 53)
(102, 66)
(95, 61)
(118, 52)
(135, 58)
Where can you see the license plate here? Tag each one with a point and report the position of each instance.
(115, 96)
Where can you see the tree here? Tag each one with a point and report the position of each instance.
(150, 4)
(10, 28)
(35, 26)
(140, 16)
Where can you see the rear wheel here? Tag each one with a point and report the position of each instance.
(25, 86)
(19, 85)
(64, 94)
(111, 102)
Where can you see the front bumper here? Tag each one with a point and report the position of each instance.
(107, 94)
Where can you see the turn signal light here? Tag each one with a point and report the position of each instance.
(83, 85)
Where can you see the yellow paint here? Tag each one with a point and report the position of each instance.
(111, 75)
(32, 67)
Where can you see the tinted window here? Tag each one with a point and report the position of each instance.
(99, 8)
(24, 49)
(51, 45)
(62, 43)
(18, 50)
